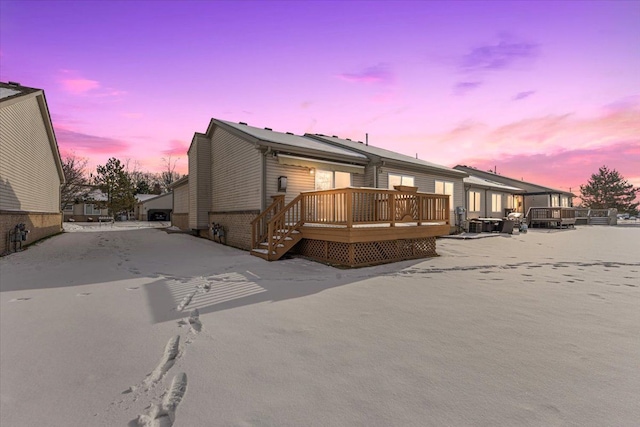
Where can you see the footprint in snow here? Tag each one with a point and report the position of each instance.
(83, 294)
(20, 299)
(164, 414)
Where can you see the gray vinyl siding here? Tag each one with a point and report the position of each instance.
(29, 179)
(537, 201)
(425, 182)
(181, 199)
(298, 180)
(199, 182)
(163, 202)
(358, 180)
(368, 178)
(236, 173)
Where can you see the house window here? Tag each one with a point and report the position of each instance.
(555, 200)
(474, 201)
(395, 179)
(68, 207)
(91, 209)
(445, 187)
(327, 180)
(564, 201)
(510, 201)
(496, 203)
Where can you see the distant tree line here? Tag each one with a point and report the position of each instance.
(119, 182)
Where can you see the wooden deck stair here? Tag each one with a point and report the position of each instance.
(276, 230)
(278, 249)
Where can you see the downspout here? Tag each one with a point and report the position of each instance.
(375, 176)
(485, 204)
(263, 181)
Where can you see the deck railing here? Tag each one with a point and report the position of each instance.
(260, 223)
(555, 213)
(352, 207)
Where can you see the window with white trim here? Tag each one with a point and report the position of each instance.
(327, 180)
(396, 179)
(510, 201)
(564, 201)
(474, 201)
(445, 187)
(496, 203)
(555, 201)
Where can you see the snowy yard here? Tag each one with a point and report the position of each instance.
(538, 329)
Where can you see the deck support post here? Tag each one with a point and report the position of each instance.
(392, 208)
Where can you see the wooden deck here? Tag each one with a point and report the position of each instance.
(557, 217)
(360, 218)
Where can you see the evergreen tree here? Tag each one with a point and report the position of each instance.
(608, 189)
(115, 183)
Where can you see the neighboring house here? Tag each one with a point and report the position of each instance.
(534, 195)
(490, 199)
(30, 166)
(88, 209)
(269, 190)
(180, 191)
(154, 208)
(542, 206)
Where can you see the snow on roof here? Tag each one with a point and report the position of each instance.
(12, 89)
(6, 92)
(476, 180)
(528, 187)
(143, 197)
(385, 154)
(292, 140)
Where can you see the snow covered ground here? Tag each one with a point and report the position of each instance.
(126, 327)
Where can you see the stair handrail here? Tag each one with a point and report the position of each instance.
(259, 229)
(279, 229)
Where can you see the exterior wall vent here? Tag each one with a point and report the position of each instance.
(243, 123)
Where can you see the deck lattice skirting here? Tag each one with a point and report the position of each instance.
(367, 253)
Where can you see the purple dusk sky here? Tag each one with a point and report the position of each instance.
(545, 91)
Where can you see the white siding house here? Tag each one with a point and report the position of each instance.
(30, 165)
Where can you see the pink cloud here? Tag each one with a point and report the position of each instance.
(69, 140)
(177, 148)
(376, 74)
(566, 169)
(79, 86)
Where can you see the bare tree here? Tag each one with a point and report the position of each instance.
(169, 174)
(77, 184)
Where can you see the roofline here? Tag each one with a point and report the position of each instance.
(154, 198)
(29, 93)
(512, 190)
(544, 190)
(282, 147)
(386, 160)
(179, 182)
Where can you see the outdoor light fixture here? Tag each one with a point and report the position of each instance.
(312, 171)
(282, 183)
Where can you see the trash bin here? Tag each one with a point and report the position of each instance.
(475, 227)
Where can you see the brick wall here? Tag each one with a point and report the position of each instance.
(237, 227)
(180, 220)
(40, 225)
